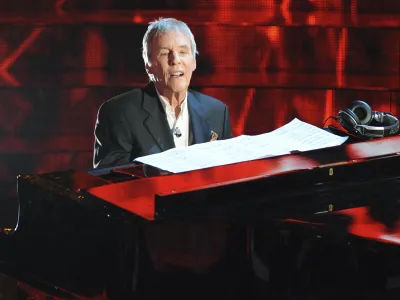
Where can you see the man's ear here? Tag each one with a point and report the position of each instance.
(149, 72)
(148, 69)
(194, 65)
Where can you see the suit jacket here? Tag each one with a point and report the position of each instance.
(134, 124)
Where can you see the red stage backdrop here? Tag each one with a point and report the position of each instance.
(270, 61)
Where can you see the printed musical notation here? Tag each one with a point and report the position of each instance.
(294, 136)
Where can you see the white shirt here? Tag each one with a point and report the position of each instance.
(179, 124)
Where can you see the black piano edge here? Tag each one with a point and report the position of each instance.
(31, 280)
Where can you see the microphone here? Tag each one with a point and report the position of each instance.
(177, 132)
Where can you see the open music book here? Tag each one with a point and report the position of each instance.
(294, 136)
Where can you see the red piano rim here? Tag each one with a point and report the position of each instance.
(363, 225)
(138, 196)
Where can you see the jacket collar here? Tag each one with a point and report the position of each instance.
(157, 125)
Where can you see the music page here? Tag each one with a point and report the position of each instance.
(294, 136)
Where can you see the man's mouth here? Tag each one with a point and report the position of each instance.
(176, 74)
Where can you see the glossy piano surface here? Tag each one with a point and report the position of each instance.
(84, 234)
(162, 197)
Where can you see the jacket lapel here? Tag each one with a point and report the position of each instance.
(200, 126)
(156, 122)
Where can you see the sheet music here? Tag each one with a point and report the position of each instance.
(296, 135)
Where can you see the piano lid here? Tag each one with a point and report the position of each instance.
(148, 197)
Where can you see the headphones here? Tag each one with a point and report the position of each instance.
(359, 119)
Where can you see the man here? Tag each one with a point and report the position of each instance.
(165, 113)
(162, 115)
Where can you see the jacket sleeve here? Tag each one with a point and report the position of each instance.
(112, 137)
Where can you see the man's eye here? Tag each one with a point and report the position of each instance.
(163, 53)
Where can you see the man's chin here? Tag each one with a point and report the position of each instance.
(172, 88)
(178, 88)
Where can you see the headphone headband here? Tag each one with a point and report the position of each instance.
(375, 131)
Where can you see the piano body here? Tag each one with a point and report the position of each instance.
(85, 234)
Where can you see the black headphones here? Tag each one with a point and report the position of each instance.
(359, 119)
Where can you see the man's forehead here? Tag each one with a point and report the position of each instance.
(174, 38)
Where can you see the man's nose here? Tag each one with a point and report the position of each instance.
(174, 57)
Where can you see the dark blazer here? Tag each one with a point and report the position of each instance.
(134, 124)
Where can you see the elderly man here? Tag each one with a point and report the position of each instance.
(165, 113)
(162, 115)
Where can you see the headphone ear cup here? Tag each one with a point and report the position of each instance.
(348, 119)
(363, 112)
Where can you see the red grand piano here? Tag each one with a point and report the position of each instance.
(133, 232)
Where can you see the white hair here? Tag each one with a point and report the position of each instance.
(161, 26)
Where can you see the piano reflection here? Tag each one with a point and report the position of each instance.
(233, 231)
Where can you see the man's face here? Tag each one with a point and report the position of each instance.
(171, 63)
